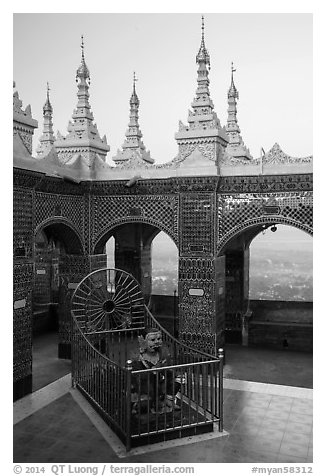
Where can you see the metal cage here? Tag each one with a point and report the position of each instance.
(182, 398)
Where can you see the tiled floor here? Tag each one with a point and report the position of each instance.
(249, 363)
(47, 367)
(265, 424)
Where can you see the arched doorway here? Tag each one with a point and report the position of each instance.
(281, 289)
(58, 261)
(248, 321)
(129, 247)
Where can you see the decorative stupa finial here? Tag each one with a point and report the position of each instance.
(204, 129)
(134, 81)
(82, 71)
(202, 28)
(134, 153)
(47, 138)
(83, 136)
(203, 55)
(47, 106)
(236, 147)
(233, 92)
(134, 101)
(82, 46)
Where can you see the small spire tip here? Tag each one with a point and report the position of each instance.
(82, 45)
(134, 79)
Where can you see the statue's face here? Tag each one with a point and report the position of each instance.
(153, 341)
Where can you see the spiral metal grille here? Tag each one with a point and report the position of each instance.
(108, 299)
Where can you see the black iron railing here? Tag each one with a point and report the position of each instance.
(150, 405)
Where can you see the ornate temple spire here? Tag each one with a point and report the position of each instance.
(83, 137)
(203, 121)
(203, 55)
(47, 138)
(82, 71)
(202, 115)
(233, 92)
(133, 154)
(236, 147)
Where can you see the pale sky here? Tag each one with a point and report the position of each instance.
(271, 52)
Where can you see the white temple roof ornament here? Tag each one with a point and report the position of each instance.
(83, 136)
(47, 138)
(20, 115)
(133, 154)
(274, 162)
(276, 156)
(203, 127)
(23, 122)
(236, 147)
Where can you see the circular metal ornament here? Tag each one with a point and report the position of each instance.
(108, 299)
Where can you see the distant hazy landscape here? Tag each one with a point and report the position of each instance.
(280, 266)
(281, 274)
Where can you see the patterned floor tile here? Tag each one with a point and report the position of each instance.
(300, 418)
(242, 440)
(281, 399)
(261, 457)
(296, 438)
(310, 453)
(267, 444)
(277, 414)
(282, 458)
(292, 449)
(264, 428)
(298, 427)
(270, 433)
(245, 429)
(280, 406)
(250, 411)
(257, 403)
(303, 401)
(273, 423)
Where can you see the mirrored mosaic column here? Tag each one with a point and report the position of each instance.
(201, 274)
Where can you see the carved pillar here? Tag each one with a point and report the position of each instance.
(133, 253)
(128, 243)
(220, 301)
(22, 327)
(237, 289)
(246, 310)
(246, 266)
(234, 293)
(72, 269)
(201, 302)
(146, 268)
(23, 281)
(201, 274)
(97, 262)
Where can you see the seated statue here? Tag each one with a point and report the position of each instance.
(155, 391)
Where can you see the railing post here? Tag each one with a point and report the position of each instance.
(74, 354)
(174, 313)
(128, 404)
(220, 389)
